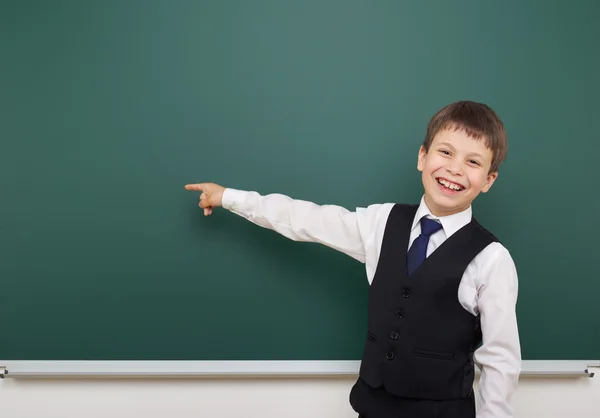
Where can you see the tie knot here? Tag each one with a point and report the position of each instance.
(429, 226)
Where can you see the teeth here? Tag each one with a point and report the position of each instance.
(449, 185)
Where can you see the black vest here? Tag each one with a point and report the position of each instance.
(420, 340)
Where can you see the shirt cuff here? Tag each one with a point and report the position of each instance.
(232, 198)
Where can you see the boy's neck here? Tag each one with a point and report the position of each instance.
(442, 212)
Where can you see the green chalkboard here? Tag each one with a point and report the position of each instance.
(108, 108)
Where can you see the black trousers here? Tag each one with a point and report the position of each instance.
(377, 403)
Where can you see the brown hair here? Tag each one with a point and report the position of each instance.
(478, 120)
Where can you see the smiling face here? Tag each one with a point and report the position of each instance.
(454, 171)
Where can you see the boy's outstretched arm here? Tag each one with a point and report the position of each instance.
(298, 220)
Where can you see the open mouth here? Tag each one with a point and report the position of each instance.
(449, 186)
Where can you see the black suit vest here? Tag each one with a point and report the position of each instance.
(420, 340)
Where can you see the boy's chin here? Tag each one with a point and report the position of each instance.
(443, 205)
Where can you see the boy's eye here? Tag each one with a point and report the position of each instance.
(474, 162)
(445, 152)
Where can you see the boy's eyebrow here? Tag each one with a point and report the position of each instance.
(446, 144)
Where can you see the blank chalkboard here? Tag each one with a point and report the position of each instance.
(107, 109)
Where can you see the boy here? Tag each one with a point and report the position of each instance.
(443, 290)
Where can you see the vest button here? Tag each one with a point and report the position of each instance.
(405, 293)
(400, 313)
(390, 356)
(394, 335)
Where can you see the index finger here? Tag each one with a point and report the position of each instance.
(199, 187)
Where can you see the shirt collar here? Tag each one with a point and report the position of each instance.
(450, 223)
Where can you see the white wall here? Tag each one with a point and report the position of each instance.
(264, 398)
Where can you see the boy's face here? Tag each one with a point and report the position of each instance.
(455, 171)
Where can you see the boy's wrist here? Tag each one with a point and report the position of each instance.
(228, 198)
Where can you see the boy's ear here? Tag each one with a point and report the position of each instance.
(491, 178)
(421, 158)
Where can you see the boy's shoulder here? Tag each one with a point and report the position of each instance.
(486, 232)
(495, 254)
(378, 214)
(386, 207)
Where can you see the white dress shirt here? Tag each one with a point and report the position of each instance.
(488, 287)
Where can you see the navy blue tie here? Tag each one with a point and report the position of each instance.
(418, 250)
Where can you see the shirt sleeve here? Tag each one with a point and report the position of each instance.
(499, 356)
(299, 220)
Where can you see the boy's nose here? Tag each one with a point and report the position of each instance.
(454, 169)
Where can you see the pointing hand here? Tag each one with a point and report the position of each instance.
(211, 195)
